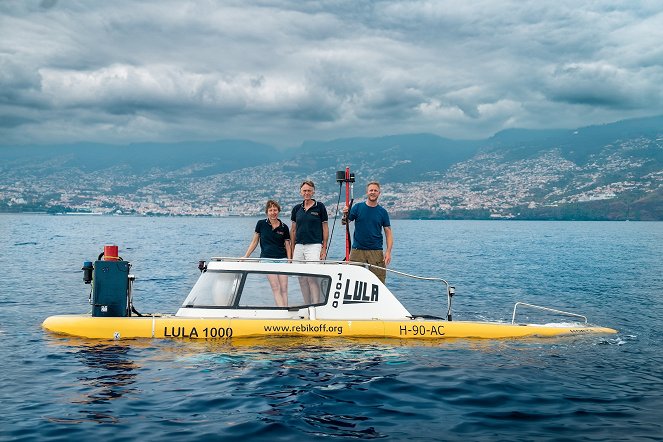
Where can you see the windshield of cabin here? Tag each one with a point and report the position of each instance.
(220, 289)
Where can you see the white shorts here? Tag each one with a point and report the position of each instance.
(307, 252)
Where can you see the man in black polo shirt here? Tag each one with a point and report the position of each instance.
(309, 233)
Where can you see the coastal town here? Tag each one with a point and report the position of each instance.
(487, 182)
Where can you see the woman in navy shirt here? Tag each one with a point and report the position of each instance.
(274, 238)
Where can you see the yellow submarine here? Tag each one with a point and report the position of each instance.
(233, 298)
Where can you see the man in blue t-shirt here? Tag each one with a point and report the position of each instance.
(370, 219)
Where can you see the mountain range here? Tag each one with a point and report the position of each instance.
(604, 172)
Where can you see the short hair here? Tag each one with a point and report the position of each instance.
(271, 203)
(373, 182)
(309, 182)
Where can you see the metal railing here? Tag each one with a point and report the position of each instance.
(561, 312)
(450, 290)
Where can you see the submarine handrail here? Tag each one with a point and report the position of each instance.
(554, 310)
(450, 290)
(301, 261)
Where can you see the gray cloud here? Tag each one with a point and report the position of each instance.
(286, 71)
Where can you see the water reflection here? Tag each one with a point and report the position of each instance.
(108, 372)
(314, 384)
(112, 372)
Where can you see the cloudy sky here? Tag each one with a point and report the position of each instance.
(285, 71)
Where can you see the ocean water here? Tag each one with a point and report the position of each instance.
(588, 388)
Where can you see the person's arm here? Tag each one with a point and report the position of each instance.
(390, 243)
(293, 231)
(288, 250)
(253, 245)
(325, 236)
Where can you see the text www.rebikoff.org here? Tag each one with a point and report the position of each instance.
(305, 328)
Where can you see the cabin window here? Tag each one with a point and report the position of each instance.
(257, 290)
(214, 289)
(262, 290)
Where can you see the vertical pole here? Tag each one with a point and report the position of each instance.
(347, 203)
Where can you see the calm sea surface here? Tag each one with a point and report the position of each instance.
(589, 388)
